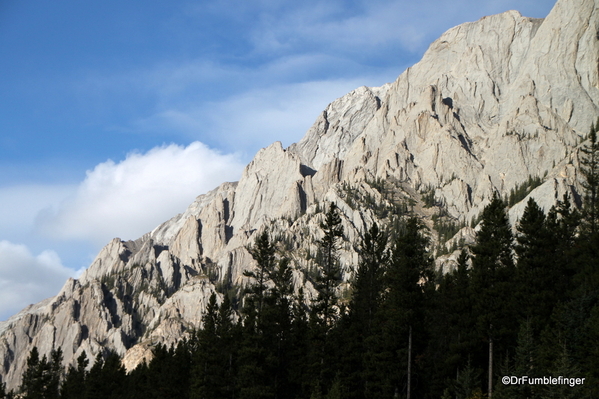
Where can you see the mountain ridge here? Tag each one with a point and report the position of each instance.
(482, 112)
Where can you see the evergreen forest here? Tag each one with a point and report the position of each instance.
(521, 302)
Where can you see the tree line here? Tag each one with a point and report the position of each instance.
(517, 304)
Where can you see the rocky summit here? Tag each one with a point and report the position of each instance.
(499, 105)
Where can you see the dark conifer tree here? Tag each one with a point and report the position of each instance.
(536, 273)
(468, 382)
(205, 359)
(588, 239)
(562, 224)
(453, 329)
(564, 365)
(546, 261)
(56, 371)
(41, 379)
(493, 273)
(525, 363)
(106, 378)
(73, 386)
(365, 302)
(263, 252)
(264, 355)
(252, 379)
(228, 336)
(113, 377)
(330, 273)
(324, 312)
(590, 361)
(213, 373)
(4, 394)
(138, 382)
(368, 286)
(276, 325)
(93, 386)
(169, 371)
(299, 369)
(32, 384)
(463, 317)
(590, 171)
(401, 329)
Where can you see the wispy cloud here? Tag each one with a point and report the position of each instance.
(336, 29)
(21, 203)
(129, 198)
(237, 98)
(26, 278)
(245, 122)
(367, 28)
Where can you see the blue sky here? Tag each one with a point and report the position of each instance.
(115, 115)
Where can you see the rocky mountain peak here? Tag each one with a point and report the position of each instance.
(491, 105)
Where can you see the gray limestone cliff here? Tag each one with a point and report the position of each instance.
(491, 104)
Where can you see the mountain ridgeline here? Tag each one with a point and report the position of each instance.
(498, 112)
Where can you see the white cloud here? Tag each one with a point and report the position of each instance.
(26, 278)
(130, 198)
(21, 203)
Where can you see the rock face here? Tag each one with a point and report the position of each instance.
(491, 104)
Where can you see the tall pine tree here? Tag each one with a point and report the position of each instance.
(365, 302)
(41, 379)
(536, 273)
(264, 356)
(590, 171)
(492, 278)
(330, 273)
(322, 357)
(400, 335)
(73, 386)
(213, 362)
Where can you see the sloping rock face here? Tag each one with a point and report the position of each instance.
(491, 104)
